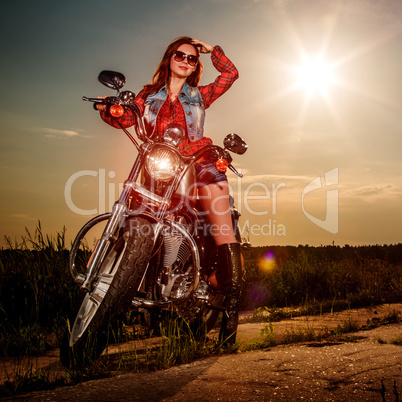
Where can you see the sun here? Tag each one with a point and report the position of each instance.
(315, 75)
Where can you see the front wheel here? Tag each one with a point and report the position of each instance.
(119, 278)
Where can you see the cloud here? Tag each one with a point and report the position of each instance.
(23, 216)
(291, 181)
(56, 133)
(373, 192)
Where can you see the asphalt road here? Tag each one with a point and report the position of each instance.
(364, 370)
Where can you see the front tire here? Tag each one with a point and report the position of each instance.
(120, 277)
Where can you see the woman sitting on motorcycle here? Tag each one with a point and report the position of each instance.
(175, 97)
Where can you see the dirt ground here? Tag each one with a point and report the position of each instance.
(363, 370)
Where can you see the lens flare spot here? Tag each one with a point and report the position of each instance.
(267, 262)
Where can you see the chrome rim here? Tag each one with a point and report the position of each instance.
(93, 299)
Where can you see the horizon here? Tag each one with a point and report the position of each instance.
(23, 239)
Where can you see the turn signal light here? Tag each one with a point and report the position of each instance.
(221, 165)
(116, 110)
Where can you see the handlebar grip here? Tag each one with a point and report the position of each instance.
(95, 100)
(234, 171)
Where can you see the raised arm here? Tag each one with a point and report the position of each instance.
(228, 74)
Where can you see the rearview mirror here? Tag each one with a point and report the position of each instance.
(112, 79)
(235, 144)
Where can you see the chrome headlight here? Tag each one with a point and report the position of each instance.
(174, 134)
(162, 164)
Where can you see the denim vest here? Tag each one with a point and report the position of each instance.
(193, 105)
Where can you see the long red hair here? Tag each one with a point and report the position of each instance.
(162, 73)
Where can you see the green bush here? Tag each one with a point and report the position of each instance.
(36, 293)
(284, 276)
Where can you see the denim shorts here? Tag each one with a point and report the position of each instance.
(207, 173)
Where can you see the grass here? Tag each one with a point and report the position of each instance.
(395, 341)
(303, 335)
(25, 376)
(308, 334)
(37, 295)
(327, 278)
(176, 345)
(274, 314)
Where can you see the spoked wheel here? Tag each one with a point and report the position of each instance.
(93, 300)
(120, 276)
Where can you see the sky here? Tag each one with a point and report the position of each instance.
(318, 101)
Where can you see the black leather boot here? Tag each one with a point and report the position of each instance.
(229, 277)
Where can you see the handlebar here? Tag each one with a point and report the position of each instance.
(232, 168)
(220, 152)
(141, 133)
(127, 104)
(95, 100)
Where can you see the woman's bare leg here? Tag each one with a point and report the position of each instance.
(214, 199)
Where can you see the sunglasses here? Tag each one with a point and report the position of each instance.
(180, 56)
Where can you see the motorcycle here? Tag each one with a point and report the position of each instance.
(156, 253)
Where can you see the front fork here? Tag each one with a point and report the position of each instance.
(109, 235)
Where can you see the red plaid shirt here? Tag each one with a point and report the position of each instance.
(172, 112)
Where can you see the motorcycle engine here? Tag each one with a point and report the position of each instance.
(177, 273)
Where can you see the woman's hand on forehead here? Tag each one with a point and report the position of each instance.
(203, 47)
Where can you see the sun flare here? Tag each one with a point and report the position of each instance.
(315, 76)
